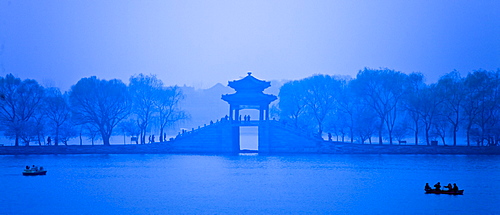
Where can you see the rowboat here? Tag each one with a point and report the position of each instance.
(451, 192)
(34, 172)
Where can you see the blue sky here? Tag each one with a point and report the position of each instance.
(201, 43)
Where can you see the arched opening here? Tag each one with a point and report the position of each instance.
(249, 138)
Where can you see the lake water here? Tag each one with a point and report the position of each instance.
(248, 184)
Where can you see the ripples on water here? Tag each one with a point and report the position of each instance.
(248, 184)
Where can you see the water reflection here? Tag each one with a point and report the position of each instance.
(248, 183)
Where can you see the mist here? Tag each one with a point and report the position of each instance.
(200, 44)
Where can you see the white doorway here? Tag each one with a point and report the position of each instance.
(249, 138)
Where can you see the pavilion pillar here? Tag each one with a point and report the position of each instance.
(237, 114)
(231, 112)
(261, 114)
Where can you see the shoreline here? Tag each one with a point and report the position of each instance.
(327, 148)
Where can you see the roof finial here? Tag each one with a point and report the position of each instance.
(249, 73)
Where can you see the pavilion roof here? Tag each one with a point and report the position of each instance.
(249, 91)
(249, 83)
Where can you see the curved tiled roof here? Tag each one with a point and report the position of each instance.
(249, 92)
(249, 83)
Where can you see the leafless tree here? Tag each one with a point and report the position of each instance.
(292, 102)
(57, 111)
(169, 111)
(20, 100)
(144, 92)
(451, 88)
(100, 103)
(382, 90)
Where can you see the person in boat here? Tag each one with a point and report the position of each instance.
(455, 187)
(427, 187)
(449, 187)
(27, 167)
(438, 186)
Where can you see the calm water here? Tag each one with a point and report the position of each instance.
(248, 184)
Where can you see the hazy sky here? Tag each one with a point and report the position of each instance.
(201, 43)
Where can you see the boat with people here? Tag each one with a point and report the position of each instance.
(452, 190)
(34, 170)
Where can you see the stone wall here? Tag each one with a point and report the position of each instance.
(88, 149)
(348, 148)
(214, 138)
(328, 148)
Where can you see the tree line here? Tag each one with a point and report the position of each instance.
(390, 105)
(93, 107)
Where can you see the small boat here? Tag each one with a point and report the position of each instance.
(35, 172)
(451, 192)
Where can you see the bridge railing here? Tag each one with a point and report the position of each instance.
(185, 132)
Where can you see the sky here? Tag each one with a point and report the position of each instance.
(201, 43)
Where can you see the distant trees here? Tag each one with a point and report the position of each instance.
(378, 102)
(92, 108)
(154, 104)
(381, 90)
(481, 106)
(393, 104)
(313, 98)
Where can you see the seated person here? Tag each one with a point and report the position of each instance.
(449, 187)
(438, 186)
(427, 187)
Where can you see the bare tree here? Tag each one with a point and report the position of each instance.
(18, 104)
(412, 101)
(451, 88)
(144, 92)
(57, 111)
(168, 108)
(365, 122)
(292, 102)
(477, 86)
(347, 108)
(321, 97)
(382, 90)
(431, 103)
(100, 103)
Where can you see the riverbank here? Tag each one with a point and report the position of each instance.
(347, 148)
(87, 149)
(328, 148)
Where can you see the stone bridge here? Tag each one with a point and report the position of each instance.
(224, 137)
